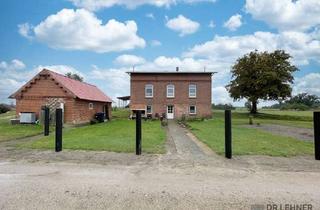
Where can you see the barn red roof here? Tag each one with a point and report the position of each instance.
(79, 89)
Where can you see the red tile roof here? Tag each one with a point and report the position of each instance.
(79, 89)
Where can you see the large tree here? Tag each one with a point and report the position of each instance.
(74, 76)
(262, 75)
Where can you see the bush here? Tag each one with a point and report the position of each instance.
(295, 106)
(222, 106)
(4, 108)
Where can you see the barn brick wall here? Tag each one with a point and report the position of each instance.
(75, 110)
(181, 101)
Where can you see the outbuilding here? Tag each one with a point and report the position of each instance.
(80, 101)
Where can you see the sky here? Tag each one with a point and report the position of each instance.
(101, 40)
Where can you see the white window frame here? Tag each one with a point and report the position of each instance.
(148, 86)
(195, 109)
(171, 86)
(90, 105)
(151, 108)
(195, 87)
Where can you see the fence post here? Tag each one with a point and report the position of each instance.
(228, 135)
(316, 126)
(138, 132)
(46, 121)
(58, 130)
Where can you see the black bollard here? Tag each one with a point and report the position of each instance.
(138, 132)
(316, 126)
(228, 135)
(58, 130)
(46, 121)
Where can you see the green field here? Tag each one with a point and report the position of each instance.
(118, 135)
(9, 132)
(250, 141)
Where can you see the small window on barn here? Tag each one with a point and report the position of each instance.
(148, 91)
(192, 91)
(90, 105)
(192, 109)
(170, 91)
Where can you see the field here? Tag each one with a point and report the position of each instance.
(118, 135)
(9, 132)
(249, 141)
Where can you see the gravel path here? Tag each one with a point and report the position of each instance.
(305, 134)
(187, 177)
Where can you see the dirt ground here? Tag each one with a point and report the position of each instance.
(305, 134)
(189, 176)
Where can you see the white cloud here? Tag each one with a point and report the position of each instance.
(155, 43)
(212, 24)
(303, 47)
(307, 84)
(81, 30)
(183, 25)
(94, 5)
(286, 14)
(233, 23)
(15, 64)
(25, 30)
(150, 15)
(129, 60)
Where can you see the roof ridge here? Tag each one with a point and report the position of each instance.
(69, 77)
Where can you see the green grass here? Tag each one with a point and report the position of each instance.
(9, 132)
(250, 141)
(120, 113)
(118, 135)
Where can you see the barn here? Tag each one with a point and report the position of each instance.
(80, 101)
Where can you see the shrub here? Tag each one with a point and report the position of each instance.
(4, 108)
(295, 106)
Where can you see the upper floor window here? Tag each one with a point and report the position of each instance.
(192, 91)
(170, 91)
(149, 91)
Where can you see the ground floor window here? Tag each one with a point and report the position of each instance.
(149, 109)
(192, 109)
(90, 105)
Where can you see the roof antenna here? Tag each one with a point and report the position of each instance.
(177, 69)
(204, 69)
(133, 68)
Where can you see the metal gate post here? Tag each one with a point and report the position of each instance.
(138, 132)
(316, 126)
(228, 135)
(46, 121)
(58, 130)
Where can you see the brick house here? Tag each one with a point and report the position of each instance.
(175, 94)
(80, 101)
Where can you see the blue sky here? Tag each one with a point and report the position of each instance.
(101, 40)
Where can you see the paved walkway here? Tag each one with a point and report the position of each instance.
(184, 145)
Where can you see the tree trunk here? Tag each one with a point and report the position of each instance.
(254, 107)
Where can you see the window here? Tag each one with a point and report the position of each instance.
(170, 91)
(149, 109)
(90, 105)
(149, 91)
(192, 91)
(192, 109)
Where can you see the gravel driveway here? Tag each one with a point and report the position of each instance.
(187, 177)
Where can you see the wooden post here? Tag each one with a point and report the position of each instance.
(58, 130)
(316, 126)
(46, 121)
(228, 135)
(138, 132)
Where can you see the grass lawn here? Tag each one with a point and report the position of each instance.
(9, 132)
(118, 135)
(249, 141)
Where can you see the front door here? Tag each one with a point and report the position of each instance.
(170, 112)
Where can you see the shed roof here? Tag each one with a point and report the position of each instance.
(79, 89)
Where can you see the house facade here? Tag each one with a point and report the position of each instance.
(80, 101)
(175, 94)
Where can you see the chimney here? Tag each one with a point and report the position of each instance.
(177, 69)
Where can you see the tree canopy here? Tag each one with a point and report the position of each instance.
(262, 75)
(74, 76)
